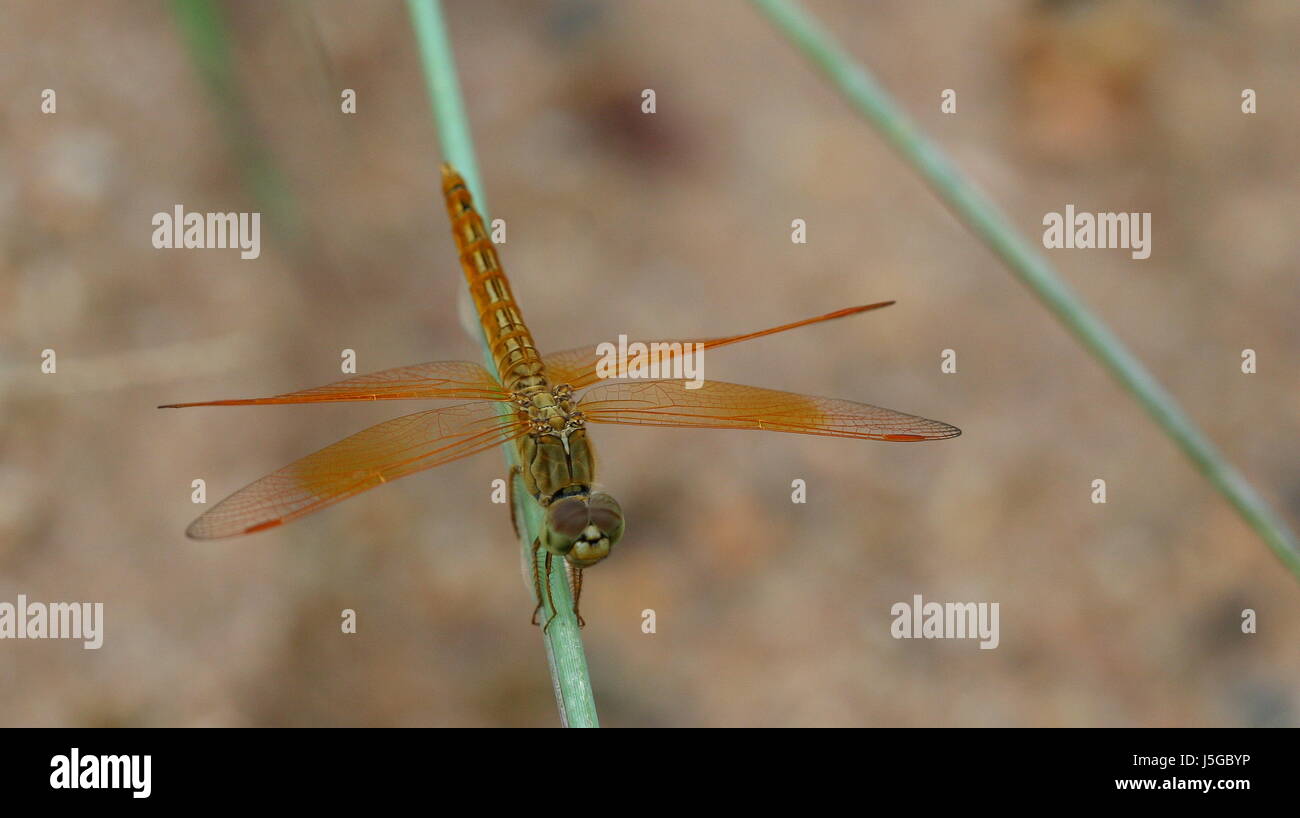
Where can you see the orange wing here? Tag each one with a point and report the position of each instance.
(577, 367)
(367, 459)
(718, 405)
(458, 380)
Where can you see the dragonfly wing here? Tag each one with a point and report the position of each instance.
(571, 366)
(719, 405)
(459, 380)
(578, 367)
(370, 458)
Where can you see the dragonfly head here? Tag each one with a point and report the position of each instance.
(583, 528)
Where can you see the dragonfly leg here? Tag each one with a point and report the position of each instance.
(549, 599)
(510, 490)
(577, 595)
(537, 580)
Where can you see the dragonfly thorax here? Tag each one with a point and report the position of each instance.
(555, 454)
(549, 410)
(559, 466)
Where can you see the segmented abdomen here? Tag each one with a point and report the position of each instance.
(508, 338)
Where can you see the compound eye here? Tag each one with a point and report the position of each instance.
(567, 517)
(606, 514)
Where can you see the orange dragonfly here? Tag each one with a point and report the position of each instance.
(543, 417)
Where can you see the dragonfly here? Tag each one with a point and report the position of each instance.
(542, 405)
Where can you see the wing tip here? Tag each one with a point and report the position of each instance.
(199, 530)
(947, 432)
(253, 529)
(865, 307)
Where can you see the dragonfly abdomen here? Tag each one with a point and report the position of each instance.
(508, 338)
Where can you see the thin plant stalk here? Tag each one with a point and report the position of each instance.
(1028, 264)
(203, 30)
(564, 651)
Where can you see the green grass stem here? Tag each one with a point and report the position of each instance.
(564, 651)
(1028, 264)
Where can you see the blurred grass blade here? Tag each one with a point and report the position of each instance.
(564, 651)
(205, 37)
(1028, 264)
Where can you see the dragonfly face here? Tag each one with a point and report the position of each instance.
(583, 528)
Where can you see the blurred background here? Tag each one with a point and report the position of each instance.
(677, 223)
